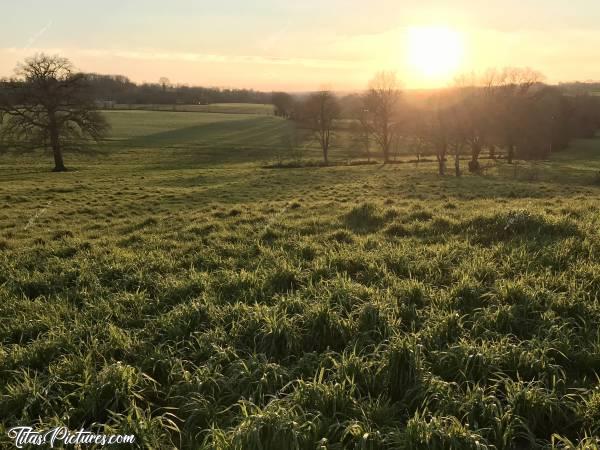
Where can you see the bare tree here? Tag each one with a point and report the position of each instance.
(320, 111)
(381, 103)
(48, 102)
(164, 83)
(431, 126)
(361, 137)
(458, 133)
(439, 130)
(509, 89)
(538, 112)
(475, 102)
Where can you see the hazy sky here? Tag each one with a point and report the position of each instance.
(302, 45)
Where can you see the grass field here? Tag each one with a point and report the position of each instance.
(172, 288)
(216, 134)
(227, 108)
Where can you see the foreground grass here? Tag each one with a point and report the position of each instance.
(233, 307)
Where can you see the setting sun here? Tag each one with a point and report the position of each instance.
(435, 52)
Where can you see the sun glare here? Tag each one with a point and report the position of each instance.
(435, 53)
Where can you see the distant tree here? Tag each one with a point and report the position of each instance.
(440, 139)
(284, 104)
(351, 106)
(48, 103)
(164, 83)
(110, 87)
(362, 133)
(538, 113)
(458, 131)
(509, 90)
(381, 103)
(475, 102)
(319, 112)
(122, 91)
(431, 125)
(585, 110)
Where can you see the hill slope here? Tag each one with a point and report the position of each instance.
(178, 286)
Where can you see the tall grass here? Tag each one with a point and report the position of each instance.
(345, 307)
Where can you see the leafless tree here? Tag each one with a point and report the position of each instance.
(475, 103)
(509, 89)
(381, 103)
(458, 133)
(48, 102)
(320, 111)
(361, 137)
(431, 125)
(164, 82)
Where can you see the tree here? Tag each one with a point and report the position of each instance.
(284, 104)
(431, 125)
(320, 111)
(362, 136)
(381, 102)
(47, 102)
(458, 132)
(164, 83)
(538, 120)
(439, 137)
(509, 90)
(121, 90)
(474, 100)
(585, 115)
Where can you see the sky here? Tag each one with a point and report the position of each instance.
(305, 45)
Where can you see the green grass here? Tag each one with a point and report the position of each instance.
(191, 138)
(173, 289)
(227, 108)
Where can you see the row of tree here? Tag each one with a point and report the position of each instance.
(120, 90)
(508, 113)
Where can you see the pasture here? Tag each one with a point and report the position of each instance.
(216, 108)
(172, 288)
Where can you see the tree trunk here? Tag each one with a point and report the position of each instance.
(59, 165)
(324, 138)
(441, 158)
(457, 163)
(441, 165)
(474, 163)
(511, 153)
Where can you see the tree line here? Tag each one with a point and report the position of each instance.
(120, 90)
(48, 104)
(507, 113)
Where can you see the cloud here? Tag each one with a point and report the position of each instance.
(345, 60)
(154, 55)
